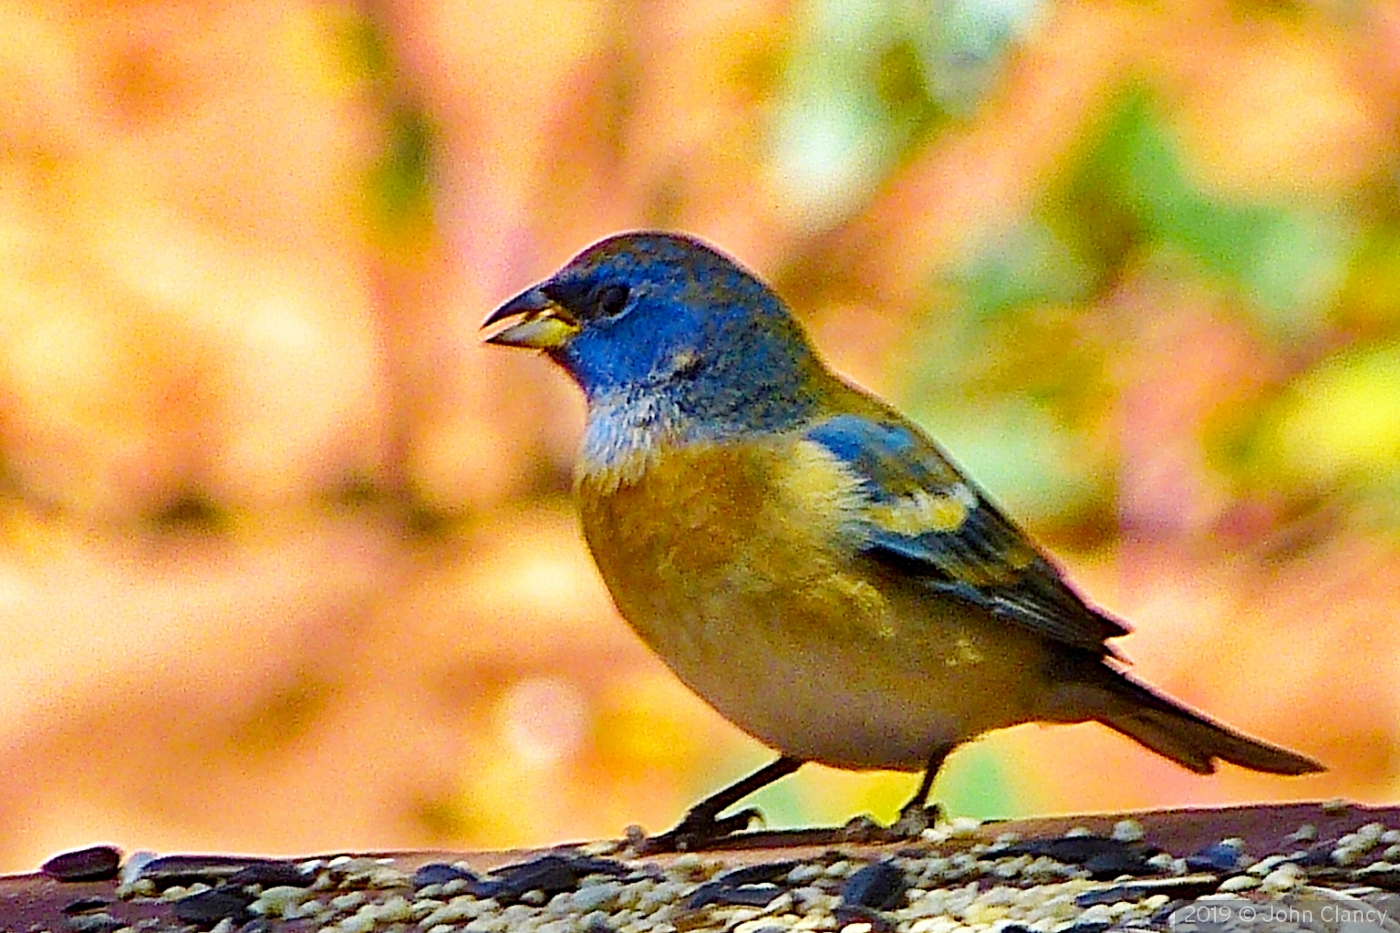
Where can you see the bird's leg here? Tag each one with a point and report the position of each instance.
(701, 824)
(916, 815)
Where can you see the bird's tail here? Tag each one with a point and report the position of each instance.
(1190, 738)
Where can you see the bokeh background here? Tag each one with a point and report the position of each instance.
(287, 558)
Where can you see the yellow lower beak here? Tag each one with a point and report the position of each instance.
(544, 324)
(545, 332)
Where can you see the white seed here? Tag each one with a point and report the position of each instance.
(935, 867)
(1059, 907)
(686, 863)
(348, 901)
(927, 907)
(1128, 831)
(1307, 832)
(1239, 883)
(144, 887)
(490, 924)
(1076, 832)
(448, 914)
(781, 904)
(659, 894)
(1162, 861)
(1043, 869)
(964, 827)
(385, 877)
(1265, 865)
(280, 901)
(929, 925)
(591, 897)
(1345, 855)
(395, 910)
(1010, 868)
(632, 893)
(558, 925)
(757, 924)
(1099, 913)
(594, 919)
(1284, 878)
(517, 913)
(131, 868)
(1335, 807)
(360, 922)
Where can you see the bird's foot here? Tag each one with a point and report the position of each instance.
(701, 828)
(913, 820)
(863, 828)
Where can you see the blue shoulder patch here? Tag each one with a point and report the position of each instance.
(924, 519)
(887, 456)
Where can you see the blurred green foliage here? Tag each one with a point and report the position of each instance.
(1130, 193)
(867, 83)
(398, 187)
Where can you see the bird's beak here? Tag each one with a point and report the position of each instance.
(544, 324)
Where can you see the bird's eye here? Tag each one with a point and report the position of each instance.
(611, 299)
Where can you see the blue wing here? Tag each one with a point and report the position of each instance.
(928, 522)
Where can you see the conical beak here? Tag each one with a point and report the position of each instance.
(544, 324)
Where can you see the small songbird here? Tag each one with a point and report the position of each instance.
(800, 554)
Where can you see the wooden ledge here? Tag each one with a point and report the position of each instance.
(1333, 847)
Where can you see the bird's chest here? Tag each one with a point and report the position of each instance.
(711, 534)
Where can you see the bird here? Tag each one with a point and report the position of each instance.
(804, 557)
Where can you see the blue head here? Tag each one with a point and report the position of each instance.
(662, 327)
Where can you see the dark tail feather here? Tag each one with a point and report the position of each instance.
(1189, 738)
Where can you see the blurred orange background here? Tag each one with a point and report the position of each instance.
(287, 558)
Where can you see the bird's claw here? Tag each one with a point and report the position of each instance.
(913, 820)
(699, 829)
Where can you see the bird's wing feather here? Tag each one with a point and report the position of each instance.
(925, 520)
